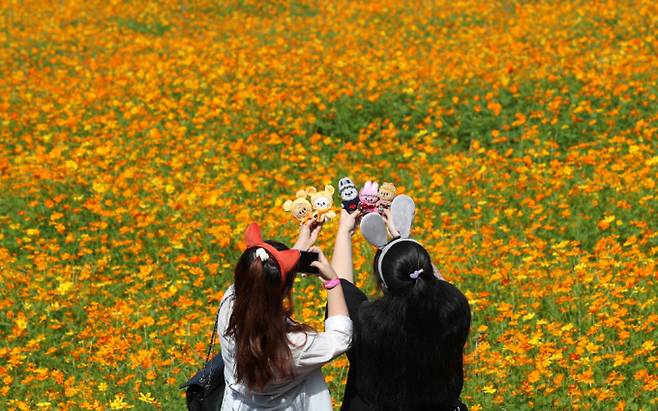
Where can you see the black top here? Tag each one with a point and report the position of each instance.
(353, 297)
(354, 399)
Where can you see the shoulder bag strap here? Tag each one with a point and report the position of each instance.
(205, 379)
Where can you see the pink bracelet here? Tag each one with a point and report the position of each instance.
(332, 283)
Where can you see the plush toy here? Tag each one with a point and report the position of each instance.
(368, 197)
(322, 202)
(349, 195)
(387, 192)
(300, 208)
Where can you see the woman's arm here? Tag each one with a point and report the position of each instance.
(342, 257)
(335, 299)
(308, 234)
(322, 347)
(389, 224)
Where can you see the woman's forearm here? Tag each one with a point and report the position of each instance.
(341, 260)
(336, 302)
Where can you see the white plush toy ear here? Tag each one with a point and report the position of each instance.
(287, 206)
(403, 210)
(373, 228)
(301, 194)
(329, 189)
(311, 190)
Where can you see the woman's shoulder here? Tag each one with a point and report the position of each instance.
(227, 298)
(229, 293)
(226, 306)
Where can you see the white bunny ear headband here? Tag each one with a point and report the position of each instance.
(374, 229)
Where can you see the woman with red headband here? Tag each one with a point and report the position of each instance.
(273, 362)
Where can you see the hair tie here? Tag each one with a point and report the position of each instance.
(415, 274)
(286, 260)
(262, 254)
(383, 253)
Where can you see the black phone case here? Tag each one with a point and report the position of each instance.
(305, 260)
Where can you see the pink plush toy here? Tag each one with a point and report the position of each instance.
(368, 197)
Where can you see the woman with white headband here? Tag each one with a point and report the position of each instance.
(407, 351)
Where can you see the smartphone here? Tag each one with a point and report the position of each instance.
(305, 260)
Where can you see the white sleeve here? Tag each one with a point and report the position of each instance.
(320, 348)
(225, 310)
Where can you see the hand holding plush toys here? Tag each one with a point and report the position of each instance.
(311, 203)
(319, 206)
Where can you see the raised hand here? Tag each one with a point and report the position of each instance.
(390, 224)
(326, 270)
(308, 234)
(348, 221)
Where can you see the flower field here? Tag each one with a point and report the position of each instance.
(139, 138)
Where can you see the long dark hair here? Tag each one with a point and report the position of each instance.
(411, 341)
(261, 318)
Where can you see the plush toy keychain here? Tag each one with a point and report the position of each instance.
(387, 192)
(368, 197)
(322, 202)
(300, 208)
(349, 195)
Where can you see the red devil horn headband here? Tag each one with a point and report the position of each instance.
(287, 259)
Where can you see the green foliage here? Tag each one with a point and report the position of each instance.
(153, 28)
(347, 116)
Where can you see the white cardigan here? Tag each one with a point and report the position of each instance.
(306, 390)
